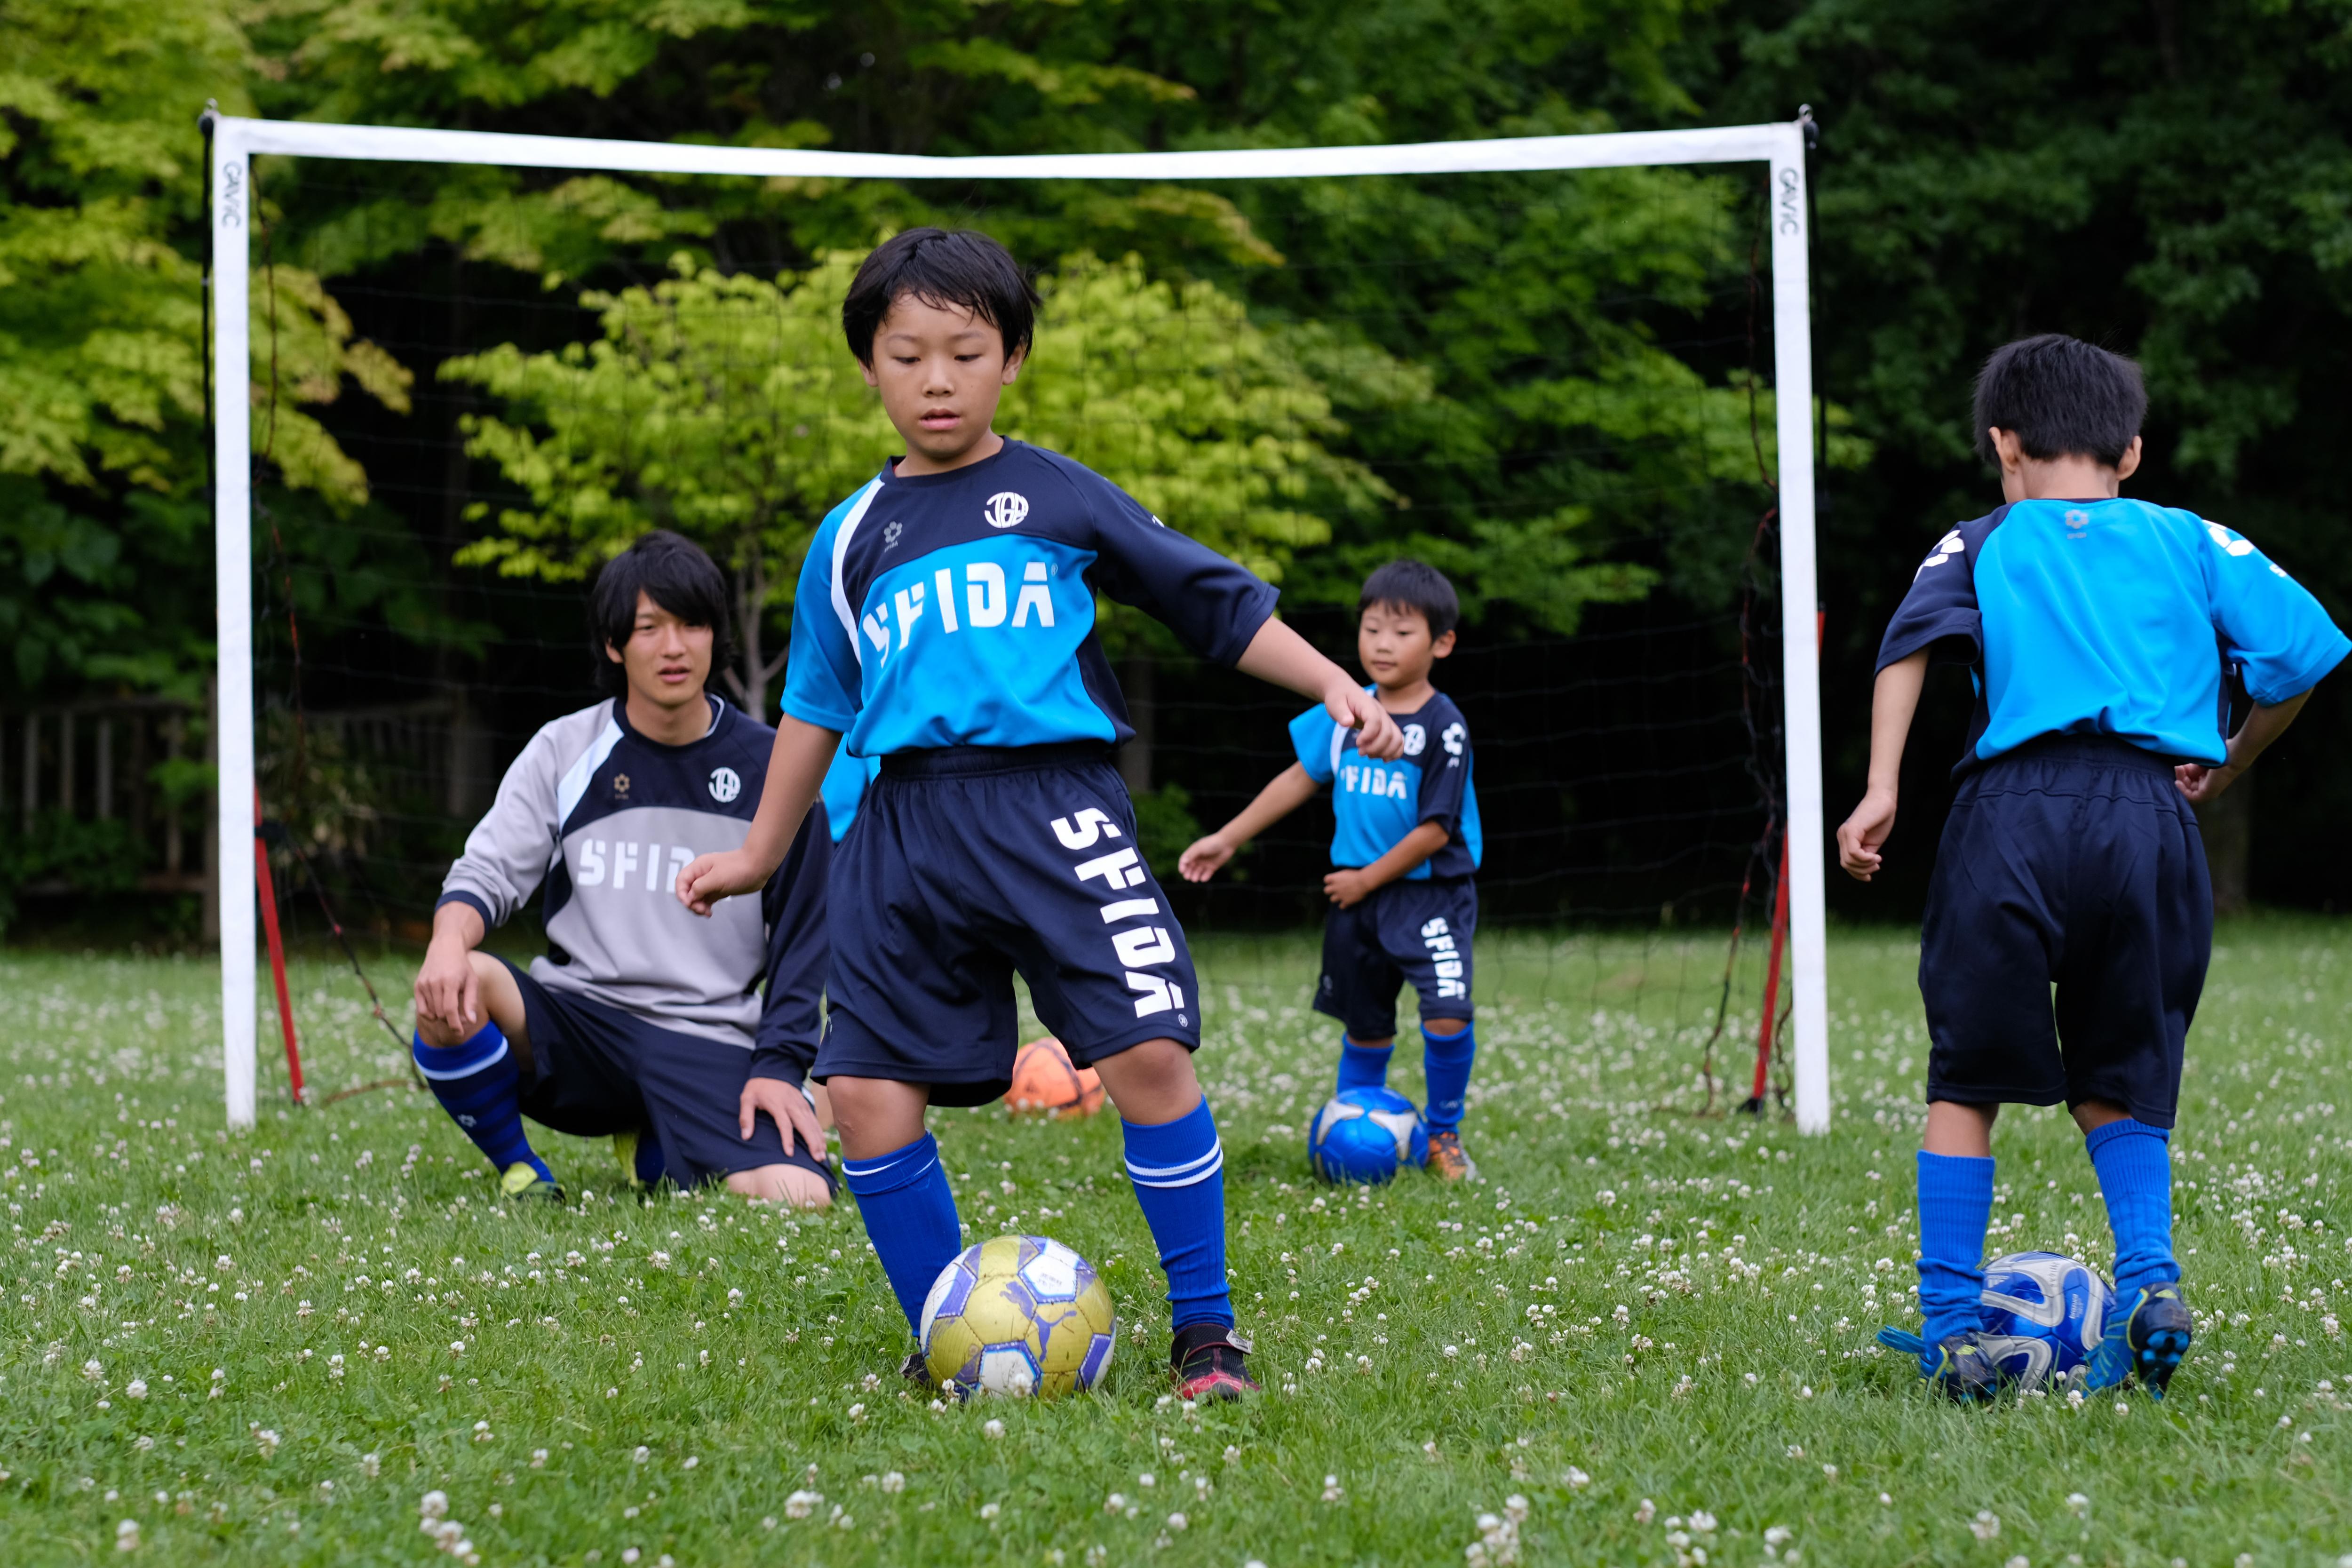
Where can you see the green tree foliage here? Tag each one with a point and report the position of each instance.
(723, 408)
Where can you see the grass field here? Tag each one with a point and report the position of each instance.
(1650, 1327)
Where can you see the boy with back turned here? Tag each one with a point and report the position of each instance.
(2069, 917)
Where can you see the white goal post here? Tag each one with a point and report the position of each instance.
(1780, 147)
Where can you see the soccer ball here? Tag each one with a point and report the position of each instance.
(1017, 1315)
(1364, 1134)
(2044, 1314)
(1043, 1079)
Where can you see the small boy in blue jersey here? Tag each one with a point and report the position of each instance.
(945, 624)
(1403, 904)
(2070, 918)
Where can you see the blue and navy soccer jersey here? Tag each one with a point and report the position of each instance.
(844, 789)
(2110, 617)
(1376, 804)
(957, 609)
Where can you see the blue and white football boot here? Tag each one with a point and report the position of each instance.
(2148, 1337)
(1962, 1367)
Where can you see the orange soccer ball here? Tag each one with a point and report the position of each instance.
(1043, 1079)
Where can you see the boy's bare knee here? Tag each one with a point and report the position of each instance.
(793, 1184)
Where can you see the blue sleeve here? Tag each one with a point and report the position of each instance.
(1310, 739)
(1940, 610)
(2270, 627)
(1445, 778)
(784, 1045)
(1214, 604)
(821, 680)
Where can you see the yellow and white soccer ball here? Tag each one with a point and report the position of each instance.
(1018, 1315)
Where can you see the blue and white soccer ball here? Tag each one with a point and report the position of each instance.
(2044, 1314)
(1364, 1134)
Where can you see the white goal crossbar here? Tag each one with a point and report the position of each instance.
(1780, 147)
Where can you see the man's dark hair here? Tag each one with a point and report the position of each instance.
(674, 573)
(2064, 397)
(1415, 585)
(963, 268)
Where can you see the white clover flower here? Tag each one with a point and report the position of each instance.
(991, 1429)
(991, 1510)
(1702, 1521)
(1177, 1522)
(432, 1505)
(801, 1504)
(1778, 1535)
(1575, 1478)
(136, 1388)
(1115, 1502)
(1647, 1512)
(1985, 1525)
(266, 1440)
(893, 1481)
(92, 1370)
(641, 1455)
(126, 1536)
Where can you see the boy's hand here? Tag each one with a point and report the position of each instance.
(2198, 782)
(1377, 735)
(1860, 835)
(787, 1107)
(1204, 856)
(448, 993)
(1349, 888)
(710, 878)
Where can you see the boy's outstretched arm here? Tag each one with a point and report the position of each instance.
(2263, 725)
(1292, 788)
(1893, 702)
(795, 770)
(1281, 657)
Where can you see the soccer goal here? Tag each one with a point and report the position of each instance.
(1640, 495)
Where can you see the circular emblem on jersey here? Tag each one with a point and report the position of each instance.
(1415, 738)
(725, 785)
(890, 535)
(2078, 519)
(1453, 739)
(1005, 508)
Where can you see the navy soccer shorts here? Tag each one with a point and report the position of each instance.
(1406, 932)
(969, 864)
(2069, 923)
(597, 1070)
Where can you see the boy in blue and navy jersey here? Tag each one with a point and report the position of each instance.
(945, 624)
(1406, 845)
(2069, 917)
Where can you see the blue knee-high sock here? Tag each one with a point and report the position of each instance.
(649, 1161)
(2135, 1170)
(1178, 1169)
(1445, 1062)
(1955, 1206)
(910, 1217)
(477, 1083)
(1362, 1067)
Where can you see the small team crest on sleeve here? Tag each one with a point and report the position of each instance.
(726, 784)
(2232, 544)
(1005, 508)
(1453, 736)
(1415, 738)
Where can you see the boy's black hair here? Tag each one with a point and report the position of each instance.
(1415, 585)
(2064, 397)
(674, 573)
(963, 268)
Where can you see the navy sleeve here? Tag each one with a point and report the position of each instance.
(793, 904)
(1445, 776)
(1214, 604)
(1940, 611)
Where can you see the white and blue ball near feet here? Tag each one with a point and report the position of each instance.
(2044, 1314)
(1364, 1135)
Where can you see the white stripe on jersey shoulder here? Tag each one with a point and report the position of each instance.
(841, 554)
(1339, 733)
(575, 783)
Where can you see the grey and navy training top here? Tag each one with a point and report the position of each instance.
(605, 818)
